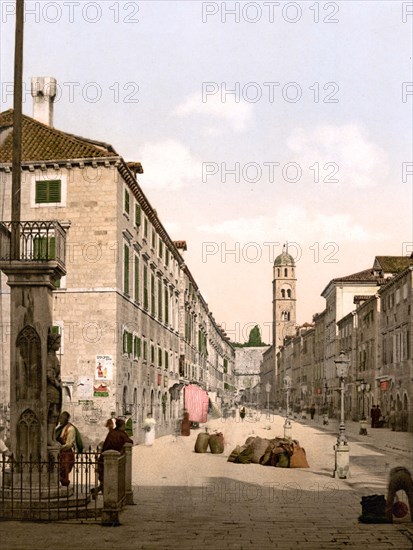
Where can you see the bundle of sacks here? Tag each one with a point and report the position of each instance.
(278, 452)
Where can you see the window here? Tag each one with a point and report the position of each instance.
(136, 347)
(145, 227)
(126, 269)
(167, 257)
(285, 272)
(160, 249)
(136, 285)
(159, 357)
(282, 293)
(138, 215)
(152, 354)
(145, 287)
(145, 350)
(48, 191)
(44, 248)
(166, 306)
(127, 342)
(153, 239)
(225, 365)
(288, 293)
(166, 360)
(160, 296)
(126, 202)
(152, 294)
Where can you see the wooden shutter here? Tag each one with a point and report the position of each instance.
(126, 269)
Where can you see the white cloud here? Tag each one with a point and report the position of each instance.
(216, 111)
(168, 165)
(295, 224)
(361, 162)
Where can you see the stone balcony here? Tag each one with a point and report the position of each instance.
(33, 241)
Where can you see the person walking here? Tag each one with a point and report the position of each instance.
(69, 437)
(242, 414)
(312, 411)
(149, 427)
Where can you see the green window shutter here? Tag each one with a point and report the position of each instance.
(137, 215)
(166, 306)
(139, 347)
(159, 357)
(136, 290)
(153, 239)
(57, 282)
(145, 287)
(130, 342)
(48, 191)
(160, 307)
(166, 360)
(152, 354)
(135, 346)
(125, 342)
(160, 249)
(167, 258)
(126, 204)
(153, 294)
(126, 269)
(145, 350)
(145, 227)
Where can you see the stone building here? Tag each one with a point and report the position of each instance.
(134, 325)
(248, 363)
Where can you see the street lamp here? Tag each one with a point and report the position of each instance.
(268, 389)
(258, 389)
(341, 448)
(363, 422)
(287, 423)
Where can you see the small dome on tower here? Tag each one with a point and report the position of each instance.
(284, 259)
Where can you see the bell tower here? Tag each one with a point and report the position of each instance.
(283, 297)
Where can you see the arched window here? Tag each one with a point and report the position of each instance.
(285, 272)
(279, 272)
(288, 293)
(282, 293)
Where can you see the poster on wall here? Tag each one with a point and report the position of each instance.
(104, 367)
(101, 390)
(84, 388)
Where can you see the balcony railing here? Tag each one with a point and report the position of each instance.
(36, 241)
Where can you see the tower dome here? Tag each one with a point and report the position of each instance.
(284, 258)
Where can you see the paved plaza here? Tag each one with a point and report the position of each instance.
(186, 500)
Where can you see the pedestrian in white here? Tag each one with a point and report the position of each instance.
(149, 427)
(3, 447)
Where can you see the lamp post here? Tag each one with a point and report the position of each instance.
(341, 448)
(363, 422)
(287, 423)
(268, 389)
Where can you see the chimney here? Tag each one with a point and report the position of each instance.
(44, 92)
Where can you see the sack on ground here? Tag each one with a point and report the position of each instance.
(245, 455)
(201, 443)
(259, 446)
(234, 454)
(216, 443)
(298, 458)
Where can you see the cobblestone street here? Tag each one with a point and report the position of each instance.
(188, 500)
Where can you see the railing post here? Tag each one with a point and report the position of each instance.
(128, 473)
(111, 505)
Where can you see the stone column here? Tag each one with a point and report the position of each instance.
(31, 309)
(128, 473)
(111, 488)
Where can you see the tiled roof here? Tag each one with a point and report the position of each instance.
(361, 276)
(43, 143)
(394, 264)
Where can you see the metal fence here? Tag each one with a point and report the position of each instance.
(31, 490)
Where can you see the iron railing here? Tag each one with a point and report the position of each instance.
(37, 241)
(30, 489)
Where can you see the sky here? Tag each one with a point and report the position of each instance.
(256, 123)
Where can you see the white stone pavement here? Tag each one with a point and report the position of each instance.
(186, 500)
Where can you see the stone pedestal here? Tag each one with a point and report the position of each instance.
(287, 429)
(342, 461)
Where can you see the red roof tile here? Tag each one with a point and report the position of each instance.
(43, 143)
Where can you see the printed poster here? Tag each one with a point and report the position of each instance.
(104, 367)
